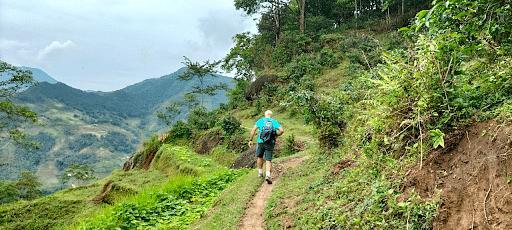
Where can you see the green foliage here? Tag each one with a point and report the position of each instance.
(236, 95)
(437, 137)
(25, 188)
(201, 72)
(179, 130)
(327, 58)
(230, 125)
(241, 57)
(361, 49)
(82, 142)
(173, 110)
(290, 147)
(301, 66)
(175, 205)
(325, 113)
(200, 119)
(13, 117)
(471, 24)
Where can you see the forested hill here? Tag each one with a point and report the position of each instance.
(39, 75)
(139, 100)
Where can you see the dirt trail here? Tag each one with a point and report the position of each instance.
(253, 217)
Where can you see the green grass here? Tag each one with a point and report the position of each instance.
(68, 205)
(362, 196)
(176, 204)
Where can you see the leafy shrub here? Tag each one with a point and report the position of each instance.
(25, 188)
(325, 113)
(361, 49)
(319, 25)
(230, 125)
(179, 130)
(236, 95)
(117, 142)
(281, 55)
(327, 58)
(81, 159)
(200, 119)
(270, 90)
(302, 65)
(257, 109)
(291, 146)
(306, 83)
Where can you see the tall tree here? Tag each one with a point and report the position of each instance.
(273, 7)
(28, 185)
(241, 57)
(12, 116)
(201, 72)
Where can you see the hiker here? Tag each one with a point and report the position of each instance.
(269, 129)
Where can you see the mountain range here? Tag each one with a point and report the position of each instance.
(100, 129)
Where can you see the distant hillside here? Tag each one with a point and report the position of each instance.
(98, 129)
(39, 75)
(139, 100)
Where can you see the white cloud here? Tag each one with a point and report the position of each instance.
(55, 46)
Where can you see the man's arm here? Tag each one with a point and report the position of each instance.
(253, 131)
(280, 131)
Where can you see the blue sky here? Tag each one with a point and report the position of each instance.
(108, 45)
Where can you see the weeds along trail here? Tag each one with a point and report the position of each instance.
(253, 216)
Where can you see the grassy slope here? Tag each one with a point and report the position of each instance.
(67, 206)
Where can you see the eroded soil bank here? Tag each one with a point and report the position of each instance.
(474, 173)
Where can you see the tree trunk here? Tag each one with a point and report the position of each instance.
(355, 9)
(302, 9)
(402, 7)
(277, 17)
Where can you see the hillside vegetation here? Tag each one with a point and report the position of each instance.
(384, 116)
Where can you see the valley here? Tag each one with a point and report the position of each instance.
(101, 130)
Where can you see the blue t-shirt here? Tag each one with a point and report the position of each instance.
(261, 122)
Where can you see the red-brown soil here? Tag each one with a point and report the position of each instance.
(474, 173)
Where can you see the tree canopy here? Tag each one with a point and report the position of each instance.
(12, 116)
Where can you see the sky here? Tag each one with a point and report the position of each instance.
(106, 45)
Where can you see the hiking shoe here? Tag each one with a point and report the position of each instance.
(260, 174)
(267, 178)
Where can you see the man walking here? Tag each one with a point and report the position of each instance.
(266, 141)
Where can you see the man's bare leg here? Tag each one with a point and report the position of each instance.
(259, 164)
(268, 167)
